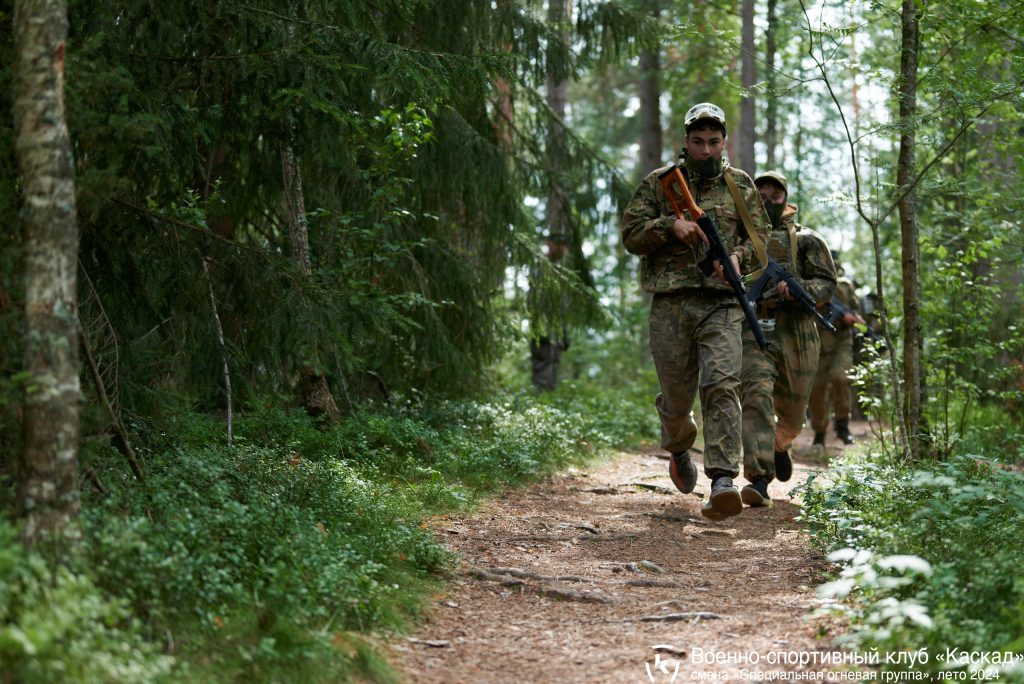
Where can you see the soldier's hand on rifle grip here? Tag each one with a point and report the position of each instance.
(688, 232)
(721, 271)
(783, 289)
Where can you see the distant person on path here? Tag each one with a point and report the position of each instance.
(831, 387)
(777, 383)
(866, 348)
(695, 319)
(546, 350)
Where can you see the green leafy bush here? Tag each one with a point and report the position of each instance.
(930, 557)
(262, 560)
(56, 625)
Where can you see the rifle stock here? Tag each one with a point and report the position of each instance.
(683, 199)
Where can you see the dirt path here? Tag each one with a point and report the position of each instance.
(556, 580)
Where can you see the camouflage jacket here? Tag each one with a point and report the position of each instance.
(666, 263)
(846, 294)
(814, 268)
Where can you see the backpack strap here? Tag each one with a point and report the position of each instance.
(748, 223)
(791, 229)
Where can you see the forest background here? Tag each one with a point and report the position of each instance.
(304, 255)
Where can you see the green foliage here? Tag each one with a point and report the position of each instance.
(975, 351)
(264, 561)
(617, 415)
(180, 119)
(284, 527)
(929, 557)
(56, 624)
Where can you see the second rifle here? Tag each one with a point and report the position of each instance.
(774, 273)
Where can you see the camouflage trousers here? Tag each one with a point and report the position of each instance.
(832, 383)
(776, 385)
(696, 343)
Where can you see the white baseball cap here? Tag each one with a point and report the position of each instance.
(704, 110)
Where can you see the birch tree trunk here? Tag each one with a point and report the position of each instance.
(295, 205)
(314, 391)
(48, 495)
(913, 380)
(748, 75)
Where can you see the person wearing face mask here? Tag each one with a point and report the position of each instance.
(777, 383)
(695, 318)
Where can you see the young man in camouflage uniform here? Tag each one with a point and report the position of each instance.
(777, 382)
(695, 319)
(832, 382)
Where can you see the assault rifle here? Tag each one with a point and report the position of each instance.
(775, 274)
(716, 248)
(838, 310)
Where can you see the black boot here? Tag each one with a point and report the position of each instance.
(783, 465)
(818, 447)
(843, 432)
(756, 494)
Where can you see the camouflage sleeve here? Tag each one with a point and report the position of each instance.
(844, 290)
(762, 224)
(815, 266)
(855, 301)
(644, 228)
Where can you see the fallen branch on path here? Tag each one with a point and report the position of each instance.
(694, 616)
(611, 537)
(503, 575)
(652, 488)
(515, 572)
(433, 643)
(649, 583)
(594, 596)
(601, 490)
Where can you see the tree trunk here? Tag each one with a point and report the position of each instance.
(557, 210)
(651, 148)
(855, 87)
(748, 75)
(504, 99)
(650, 107)
(559, 13)
(225, 365)
(771, 112)
(913, 379)
(316, 395)
(48, 495)
(295, 205)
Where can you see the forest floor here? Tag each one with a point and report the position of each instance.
(609, 574)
